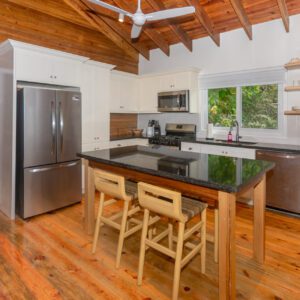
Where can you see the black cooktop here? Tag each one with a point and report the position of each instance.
(170, 140)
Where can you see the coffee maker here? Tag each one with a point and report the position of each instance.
(157, 131)
(150, 128)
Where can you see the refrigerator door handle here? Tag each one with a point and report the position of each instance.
(53, 124)
(61, 127)
(39, 170)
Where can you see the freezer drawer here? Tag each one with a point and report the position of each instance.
(50, 187)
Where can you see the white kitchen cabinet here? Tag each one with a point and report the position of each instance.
(178, 81)
(219, 150)
(148, 89)
(191, 147)
(128, 142)
(34, 65)
(95, 88)
(124, 93)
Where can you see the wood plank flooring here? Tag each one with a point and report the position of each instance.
(49, 257)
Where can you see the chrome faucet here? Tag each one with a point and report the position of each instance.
(237, 136)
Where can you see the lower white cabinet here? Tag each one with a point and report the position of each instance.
(219, 150)
(128, 142)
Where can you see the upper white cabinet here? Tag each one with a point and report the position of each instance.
(178, 81)
(124, 92)
(148, 94)
(52, 67)
(131, 93)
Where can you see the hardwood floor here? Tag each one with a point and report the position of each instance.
(49, 257)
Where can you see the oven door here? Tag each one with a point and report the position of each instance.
(173, 101)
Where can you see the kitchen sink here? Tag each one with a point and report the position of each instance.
(236, 143)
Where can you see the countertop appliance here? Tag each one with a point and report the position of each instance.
(175, 101)
(48, 138)
(150, 128)
(175, 134)
(157, 131)
(283, 188)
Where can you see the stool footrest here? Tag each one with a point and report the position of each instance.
(160, 248)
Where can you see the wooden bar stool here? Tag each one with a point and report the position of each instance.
(116, 186)
(172, 205)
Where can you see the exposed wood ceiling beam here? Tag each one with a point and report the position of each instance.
(205, 21)
(284, 14)
(179, 32)
(108, 29)
(242, 15)
(151, 33)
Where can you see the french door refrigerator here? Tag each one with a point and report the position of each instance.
(48, 138)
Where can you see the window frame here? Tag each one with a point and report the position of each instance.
(253, 132)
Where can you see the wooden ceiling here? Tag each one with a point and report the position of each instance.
(79, 27)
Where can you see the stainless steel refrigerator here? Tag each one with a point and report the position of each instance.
(48, 138)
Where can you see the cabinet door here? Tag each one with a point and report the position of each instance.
(128, 94)
(33, 66)
(148, 94)
(228, 151)
(115, 94)
(95, 104)
(191, 147)
(65, 71)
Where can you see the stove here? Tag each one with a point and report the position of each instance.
(175, 134)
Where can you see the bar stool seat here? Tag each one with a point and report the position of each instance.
(172, 205)
(116, 186)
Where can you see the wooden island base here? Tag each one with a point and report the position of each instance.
(49, 257)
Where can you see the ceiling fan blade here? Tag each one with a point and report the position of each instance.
(111, 7)
(170, 13)
(136, 31)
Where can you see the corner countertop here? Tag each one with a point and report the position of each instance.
(262, 146)
(221, 173)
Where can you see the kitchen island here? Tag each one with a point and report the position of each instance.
(218, 180)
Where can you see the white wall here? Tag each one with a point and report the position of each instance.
(271, 47)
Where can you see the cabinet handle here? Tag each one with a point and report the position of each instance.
(190, 148)
(55, 77)
(121, 106)
(51, 76)
(119, 145)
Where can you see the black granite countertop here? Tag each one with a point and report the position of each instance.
(217, 172)
(262, 146)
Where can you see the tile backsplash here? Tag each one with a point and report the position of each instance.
(163, 118)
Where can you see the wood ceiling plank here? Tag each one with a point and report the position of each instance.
(205, 21)
(242, 15)
(100, 25)
(54, 8)
(28, 26)
(284, 14)
(158, 40)
(178, 31)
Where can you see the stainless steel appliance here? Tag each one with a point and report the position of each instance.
(283, 188)
(48, 138)
(176, 101)
(175, 133)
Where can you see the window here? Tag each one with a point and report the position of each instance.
(254, 106)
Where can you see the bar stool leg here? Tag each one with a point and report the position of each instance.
(98, 223)
(170, 235)
(178, 257)
(203, 241)
(143, 246)
(216, 238)
(122, 233)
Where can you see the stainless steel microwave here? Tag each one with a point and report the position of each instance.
(175, 101)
